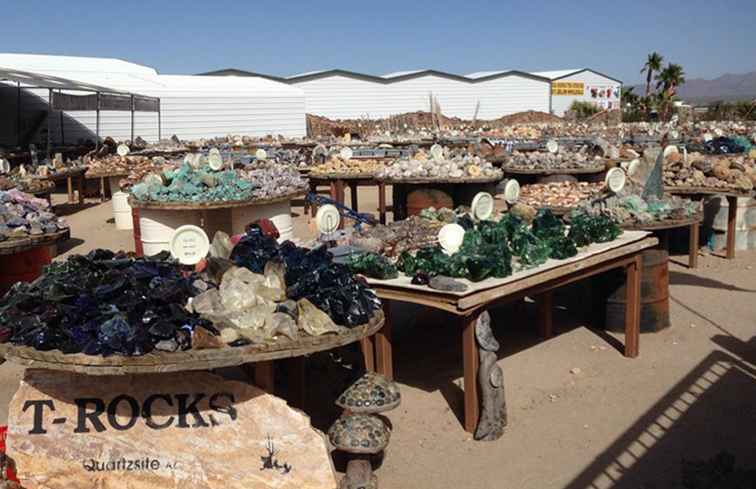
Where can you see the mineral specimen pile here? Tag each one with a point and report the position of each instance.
(734, 172)
(562, 195)
(445, 166)
(351, 167)
(544, 161)
(22, 215)
(190, 184)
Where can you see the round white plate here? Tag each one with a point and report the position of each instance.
(615, 179)
(189, 244)
(482, 206)
(450, 237)
(327, 219)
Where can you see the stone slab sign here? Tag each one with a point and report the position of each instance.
(191, 430)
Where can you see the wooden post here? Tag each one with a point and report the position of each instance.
(296, 376)
(470, 366)
(545, 305)
(632, 307)
(80, 188)
(732, 216)
(102, 189)
(69, 184)
(383, 349)
(382, 202)
(353, 194)
(368, 353)
(264, 376)
(693, 244)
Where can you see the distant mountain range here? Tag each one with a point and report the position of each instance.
(729, 88)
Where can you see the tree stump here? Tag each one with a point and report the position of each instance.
(493, 411)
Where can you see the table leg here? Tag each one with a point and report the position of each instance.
(732, 216)
(312, 207)
(368, 353)
(339, 190)
(264, 376)
(102, 189)
(137, 232)
(382, 202)
(545, 305)
(296, 378)
(470, 365)
(353, 195)
(694, 244)
(632, 307)
(80, 187)
(69, 184)
(384, 360)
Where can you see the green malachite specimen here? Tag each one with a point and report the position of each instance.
(189, 185)
(550, 228)
(488, 247)
(586, 229)
(372, 265)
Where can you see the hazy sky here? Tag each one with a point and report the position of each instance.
(287, 37)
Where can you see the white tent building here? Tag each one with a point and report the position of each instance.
(341, 94)
(191, 106)
(583, 85)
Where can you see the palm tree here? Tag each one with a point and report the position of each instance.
(653, 65)
(670, 78)
(628, 96)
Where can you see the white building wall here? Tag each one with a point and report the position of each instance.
(561, 103)
(192, 106)
(454, 96)
(343, 97)
(511, 94)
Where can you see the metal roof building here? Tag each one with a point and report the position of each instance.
(343, 94)
(583, 85)
(192, 106)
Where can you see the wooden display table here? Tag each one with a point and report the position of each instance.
(22, 260)
(539, 282)
(732, 209)
(460, 190)
(106, 181)
(665, 226)
(228, 216)
(256, 360)
(69, 176)
(338, 181)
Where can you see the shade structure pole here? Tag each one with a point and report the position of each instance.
(62, 133)
(160, 123)
(49, 123)
(132, 119)
(18, 114)
(97, 136)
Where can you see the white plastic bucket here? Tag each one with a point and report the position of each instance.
(156, 227)
(279, 213)
(122, 211)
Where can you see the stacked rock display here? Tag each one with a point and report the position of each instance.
(735, 172)
(359, 431)
(559, 195)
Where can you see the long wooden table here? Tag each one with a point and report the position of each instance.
(467, 308)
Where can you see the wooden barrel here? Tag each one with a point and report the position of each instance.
(22, 267)
(422, 198)
(654, 312)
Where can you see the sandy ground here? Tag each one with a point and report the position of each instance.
(580, 414)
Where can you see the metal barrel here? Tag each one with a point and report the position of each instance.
(654, 313)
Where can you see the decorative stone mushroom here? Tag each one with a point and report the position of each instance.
(371, 394)
(359, 431)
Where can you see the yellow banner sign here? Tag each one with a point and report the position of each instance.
(567, 88)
